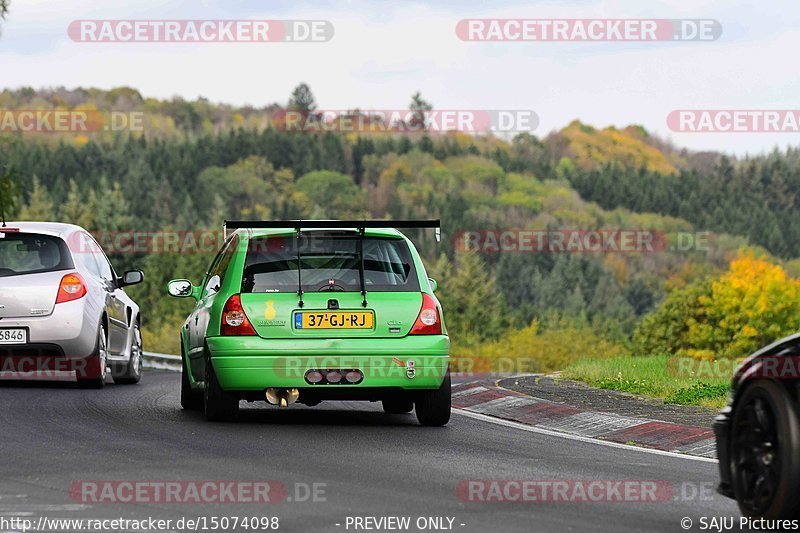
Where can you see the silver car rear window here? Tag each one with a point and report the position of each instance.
(32, 253)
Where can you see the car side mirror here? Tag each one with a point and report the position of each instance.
(181, 288)
(433, 284)
(132, 277)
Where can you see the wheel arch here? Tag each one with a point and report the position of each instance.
(104, 322)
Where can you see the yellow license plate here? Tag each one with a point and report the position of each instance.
(333, 320)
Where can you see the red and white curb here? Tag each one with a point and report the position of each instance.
(486, 398)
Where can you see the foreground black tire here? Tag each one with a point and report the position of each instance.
(191, 400)
(98, 362)
(397, 406)
(433, 407)
(220, 406)
(131, 373)
(765, 452)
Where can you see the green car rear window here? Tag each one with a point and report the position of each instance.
(329, 262)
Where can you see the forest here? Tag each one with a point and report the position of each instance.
(724, 283)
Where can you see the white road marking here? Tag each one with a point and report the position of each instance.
(592, 424)
(469, 392)
(541, 431)
(502, 403)
(704, 447)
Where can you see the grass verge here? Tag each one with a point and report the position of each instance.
(650, 376)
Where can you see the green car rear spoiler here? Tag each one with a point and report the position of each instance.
(360, 225)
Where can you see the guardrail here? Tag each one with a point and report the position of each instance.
(162, 361)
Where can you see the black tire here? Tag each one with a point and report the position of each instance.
(100, 359)
(220, 406)
(765, 452)
(191, 400)
(131, 373)
(433, 406)
(397, 406)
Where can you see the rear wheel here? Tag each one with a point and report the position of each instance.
(397, 406)
(97, 363)
(132, 371)
(433, 406)
(191, 400)
(220, 405)
(765, 452)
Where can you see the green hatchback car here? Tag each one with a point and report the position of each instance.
(306, 311)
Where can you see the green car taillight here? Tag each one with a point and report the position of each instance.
(234, 319)
(428, 321)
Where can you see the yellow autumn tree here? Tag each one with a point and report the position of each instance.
(592, 148)
(754, 303)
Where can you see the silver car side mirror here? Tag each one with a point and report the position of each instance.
(132, 277)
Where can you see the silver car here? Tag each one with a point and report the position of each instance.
(64, 313)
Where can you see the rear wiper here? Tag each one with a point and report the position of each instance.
(361, 266)
(299, 269)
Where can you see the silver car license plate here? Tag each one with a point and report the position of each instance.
(13, 336)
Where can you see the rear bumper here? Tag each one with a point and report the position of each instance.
(72, 326)
(59, 343)
(254, 364)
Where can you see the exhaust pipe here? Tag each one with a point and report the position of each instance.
(282, 397)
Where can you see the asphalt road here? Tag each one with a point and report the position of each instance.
(371, 464)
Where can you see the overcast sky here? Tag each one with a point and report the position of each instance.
(383, 51)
